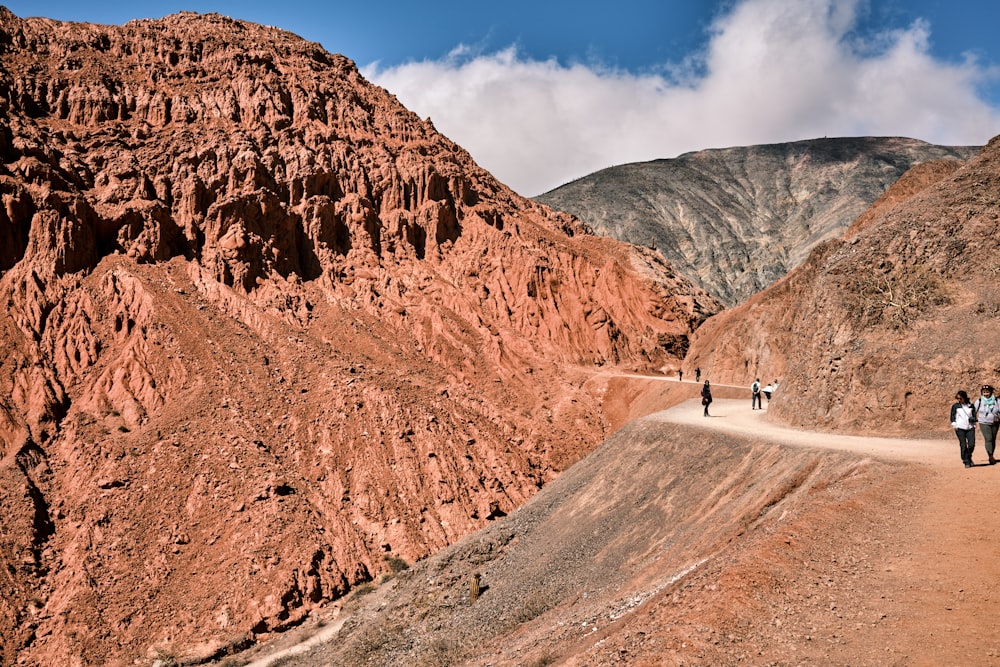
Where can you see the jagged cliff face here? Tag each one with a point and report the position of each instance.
(877, 330)
(737, 219)
(265, 327)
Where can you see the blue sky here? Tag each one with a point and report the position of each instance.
(544, 92)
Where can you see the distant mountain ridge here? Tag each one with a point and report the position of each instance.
(734, 220)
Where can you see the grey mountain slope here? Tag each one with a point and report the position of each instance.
(736, 219)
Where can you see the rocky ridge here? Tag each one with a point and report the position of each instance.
(879, 328)
(265, 328)
(737, 219)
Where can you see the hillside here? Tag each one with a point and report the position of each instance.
(680, 543)
(878, 329)
(730, 541)
(264, 330)
(612, 554)
(737, 219)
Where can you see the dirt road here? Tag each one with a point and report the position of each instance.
(735, 416)
(942, 569)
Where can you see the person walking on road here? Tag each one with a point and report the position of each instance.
(697, 374)
(706, 396)
(963, 420)
(680, 376)
(755, 395)
(988, 416)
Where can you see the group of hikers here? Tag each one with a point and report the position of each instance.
(697, 375)
(755, 391)
(965, 415)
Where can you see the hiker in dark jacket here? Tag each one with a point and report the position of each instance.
(706, 396)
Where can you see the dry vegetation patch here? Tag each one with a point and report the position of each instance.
(890, 296)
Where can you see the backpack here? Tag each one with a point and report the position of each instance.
(755, 387)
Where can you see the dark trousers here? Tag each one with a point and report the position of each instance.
(755, 401)
(966, 443)
(989, 432)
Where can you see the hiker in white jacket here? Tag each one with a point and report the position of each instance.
(963, 420)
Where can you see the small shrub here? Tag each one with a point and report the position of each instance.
(528, 610)
(442, 652)
(353, 599)
(378, 640)
(396, 564)
(991, 309)
(543, 660)
(532, 608)
(893, 298)
(364, 589)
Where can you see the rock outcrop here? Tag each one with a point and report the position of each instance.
(737, 219)
(877, 330)
(264, 329)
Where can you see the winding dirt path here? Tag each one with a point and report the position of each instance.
(943, 569)
(731, 415)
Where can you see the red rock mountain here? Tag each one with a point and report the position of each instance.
(264, 328)
(729, 541)
(878, 329)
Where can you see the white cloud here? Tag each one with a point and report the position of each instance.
(772, 70)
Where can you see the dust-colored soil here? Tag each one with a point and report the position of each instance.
(944, 571)
(687, 540)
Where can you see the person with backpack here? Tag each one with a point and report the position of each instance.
(755, 395)
(988, 417)
(963, 420)
(706, 396)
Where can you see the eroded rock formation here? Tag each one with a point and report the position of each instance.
(264, 328)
